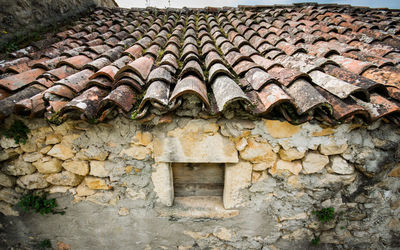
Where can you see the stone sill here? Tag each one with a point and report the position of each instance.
(210, 207)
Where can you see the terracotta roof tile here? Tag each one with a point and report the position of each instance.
(300, 62)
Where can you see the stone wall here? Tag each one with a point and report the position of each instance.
(114, 181)
(20, 16)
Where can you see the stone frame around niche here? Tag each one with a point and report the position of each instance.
(237, 177)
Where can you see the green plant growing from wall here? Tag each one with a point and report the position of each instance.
(45, 243)
(325, 214)
(19, 131)
(39, 203)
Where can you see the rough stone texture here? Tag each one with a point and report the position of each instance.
(32, 157)
(64, 178)
(77, 167)
(291, 154)
(32, 181)
(237, 177)
(281, 166)
(314, 162)
(96, 183)
(6, 181)
(278, 129)
(136, 152)
(332, 148)
(97, 168)
(340, 166)
(53, 139)
(274, 201)
(61, 152)
(18, 167)
(257, 152)
(48, 165)
(83, 190)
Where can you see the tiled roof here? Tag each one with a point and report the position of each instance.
(332, 63)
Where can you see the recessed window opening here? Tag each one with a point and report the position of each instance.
(198, 179)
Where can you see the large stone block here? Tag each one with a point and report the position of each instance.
(280, 129)
(18, 167)
(33, 181)
(282, 166)
(314, 162)
(96, 183)
(64, 178)
(137, 152)
(340, 165)
(163, 183)
(257, 152)
(77, 167)
(333, 148)
(291, 154)
(98, 169)
(198, 141)
(61, 151)
(6, 181)
(237, 177)
(48, 165)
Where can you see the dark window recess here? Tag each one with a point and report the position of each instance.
(198, 179)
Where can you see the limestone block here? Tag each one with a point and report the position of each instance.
(48, 165)
(45, 150)
(53, 139)
(77, 167)
(278, 129)
(291, 154)
(32, 181)
(96, 183)
(136, 152)
(61, 151)
(18, 167)
(29, 146)
(7, 209)
(237, 177)
(142, 138)
(198, 141)
(98, 169)
(340, 165)
(32, 157)
(6, 154)
(332, 148)
(281, 166)
(314, 162)
(223, 233)
(6, 181)
(92, 153)
(83, 190)
(6, 143)
(241, 144)
(257, 152)
(64, 178)
(261, 166)
(9, 195)
(163, 183)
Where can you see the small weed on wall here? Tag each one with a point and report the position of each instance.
(19, 131)
(39, 203)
